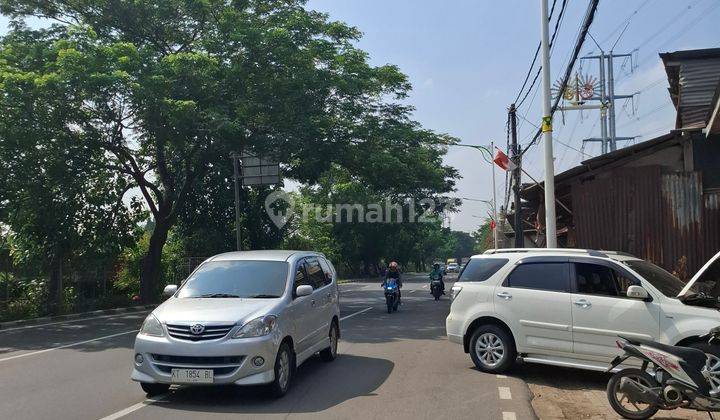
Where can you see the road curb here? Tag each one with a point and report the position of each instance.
(33, 321)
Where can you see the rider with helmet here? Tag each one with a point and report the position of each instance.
(437, 273)
(393, 273)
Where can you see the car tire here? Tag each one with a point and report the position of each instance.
(329, 354)
(492, 349)
(152, 390)
(284, 369)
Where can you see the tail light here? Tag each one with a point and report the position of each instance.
(455, 291)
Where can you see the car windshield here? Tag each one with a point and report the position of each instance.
(237, 279)
(665, 282)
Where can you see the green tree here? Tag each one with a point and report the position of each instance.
(169, 88)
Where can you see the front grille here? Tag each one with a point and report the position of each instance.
(212, 332)
(198, 360)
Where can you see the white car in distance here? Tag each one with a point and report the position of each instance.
(567, 307)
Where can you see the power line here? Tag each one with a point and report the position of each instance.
(624, 23)
(534, 60)
(683, 31)
(587, 21)
(552, 41)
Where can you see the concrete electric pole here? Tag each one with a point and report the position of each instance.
(550, 227)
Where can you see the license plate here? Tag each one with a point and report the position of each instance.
(192, 376)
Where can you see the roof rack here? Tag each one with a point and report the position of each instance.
(591, 252)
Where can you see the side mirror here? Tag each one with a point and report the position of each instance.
(637, 292)
(169, 290)
(304, 290)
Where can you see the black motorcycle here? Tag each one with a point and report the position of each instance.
(670, 377)
(436, 288)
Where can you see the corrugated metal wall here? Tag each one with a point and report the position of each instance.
(655, 216)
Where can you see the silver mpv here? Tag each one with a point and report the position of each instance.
(243, 318)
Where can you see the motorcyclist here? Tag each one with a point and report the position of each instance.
(437, 273)
(392, 272)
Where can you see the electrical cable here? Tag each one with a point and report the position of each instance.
(587, 22)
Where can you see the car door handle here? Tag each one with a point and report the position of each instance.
(504, 295)
(583, 303)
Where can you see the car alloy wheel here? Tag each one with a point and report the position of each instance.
(489, 349)
(712, 371)
(284, 370)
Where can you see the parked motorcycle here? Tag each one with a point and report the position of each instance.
(436, 288)
(670, 377)
(392, 295)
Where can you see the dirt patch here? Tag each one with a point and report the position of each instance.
(560, 393)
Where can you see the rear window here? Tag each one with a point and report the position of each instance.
(481, 269)
(554, 277)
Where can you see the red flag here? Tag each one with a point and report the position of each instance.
(492, 224)
(502, 160)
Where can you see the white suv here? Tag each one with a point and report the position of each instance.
(566, 307)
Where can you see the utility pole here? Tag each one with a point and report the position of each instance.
(517, 219)
(494, 206)
(550, 227)
(236, 176)
(608, 137)
(603, 110)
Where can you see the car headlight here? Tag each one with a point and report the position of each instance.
(258, 327)
(152, 327)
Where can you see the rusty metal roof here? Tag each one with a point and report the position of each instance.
(693, 76)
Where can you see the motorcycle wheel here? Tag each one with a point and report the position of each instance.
(388, 300)
(621, 403)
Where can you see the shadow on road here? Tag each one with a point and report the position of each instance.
(317, 386)
(558, 377)
(43, 337)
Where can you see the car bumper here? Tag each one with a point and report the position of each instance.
(454, 329)
(230, 359)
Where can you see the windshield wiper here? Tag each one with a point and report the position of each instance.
(218, 295)
(261, 296)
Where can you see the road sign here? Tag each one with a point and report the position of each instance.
(258, 170)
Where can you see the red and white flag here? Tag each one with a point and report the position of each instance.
(502, 160)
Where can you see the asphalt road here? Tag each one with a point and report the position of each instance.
(396, 366)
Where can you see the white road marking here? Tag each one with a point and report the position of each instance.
(64, 346)
(133, 408)
(508, 415)
(74, 320)
(504, 393)
(352, 315)
(501, 376)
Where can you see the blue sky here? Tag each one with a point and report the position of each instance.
(467, 59)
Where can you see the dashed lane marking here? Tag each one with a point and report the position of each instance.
(124, 412)
(501, 376)
(355, 313)
(508, 415)
(504, 393)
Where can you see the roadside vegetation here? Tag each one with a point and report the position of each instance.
(117, 121)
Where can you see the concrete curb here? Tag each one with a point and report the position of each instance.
(33, 321)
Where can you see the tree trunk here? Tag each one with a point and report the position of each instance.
(151, 266)
(55, 286)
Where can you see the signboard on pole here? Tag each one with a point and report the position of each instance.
(258, 170)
